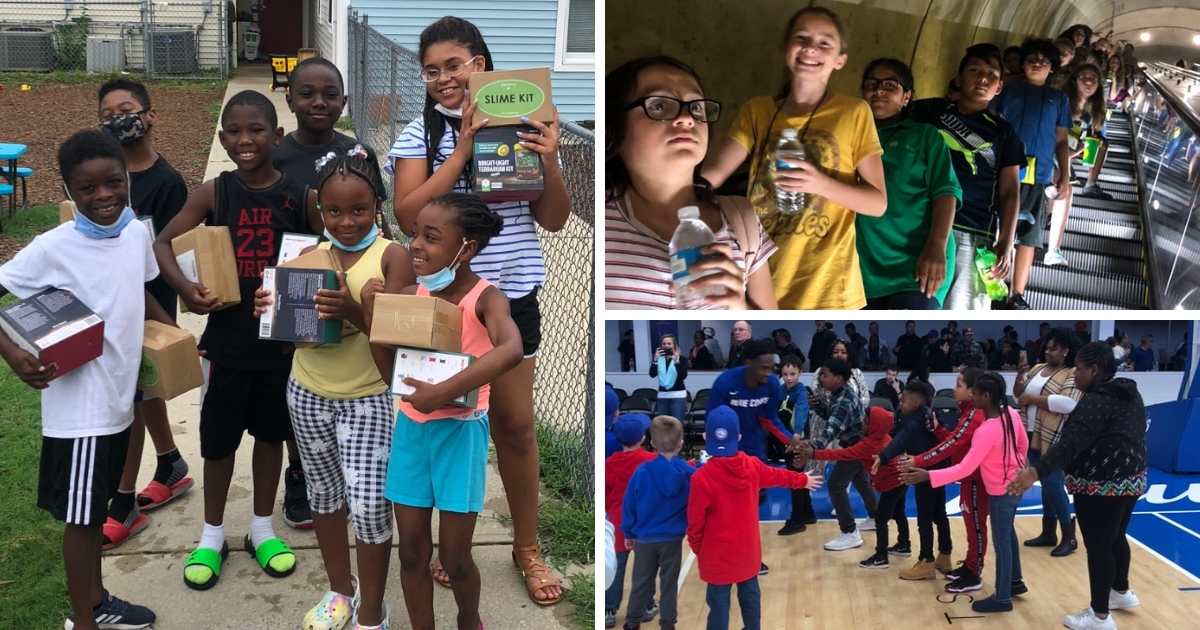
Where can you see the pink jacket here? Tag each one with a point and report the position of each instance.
(988, 454)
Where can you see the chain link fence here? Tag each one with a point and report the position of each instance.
(386, 93)
(175, 40)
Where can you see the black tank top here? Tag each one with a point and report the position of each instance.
(257, 219)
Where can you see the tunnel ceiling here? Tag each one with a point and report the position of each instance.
(1171, 24)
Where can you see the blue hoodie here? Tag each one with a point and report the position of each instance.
(912, 436)
(611, 404)
(655, 506)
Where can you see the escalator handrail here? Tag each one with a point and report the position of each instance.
(1186, 112)
(1149, 252)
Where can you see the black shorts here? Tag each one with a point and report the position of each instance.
(78, 476)
(528, 316)
(237, 401)
(1033, 201)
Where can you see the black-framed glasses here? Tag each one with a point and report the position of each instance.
(667, 108)
(429, 75)
(888, 85)
(1037, 61)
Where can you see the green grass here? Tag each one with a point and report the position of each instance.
(345, 123)
(14, 80)
(28, 223)
(581, 593)
(567, 520)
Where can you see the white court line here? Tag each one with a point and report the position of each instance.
(1160, 557)
(687, 566)
(1177, 525)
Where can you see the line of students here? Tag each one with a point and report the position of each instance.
(981, 185)
(332, 398)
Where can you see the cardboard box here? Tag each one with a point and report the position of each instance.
(66, 212)
(417, 322)
(504, 170)
(293, 244)
(205, 255)
(316, 259)
(293, 315)
(433, 367)
(55, 327)
(170, 362)
(505, 96)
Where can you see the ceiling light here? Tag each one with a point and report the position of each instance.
(1145, 36)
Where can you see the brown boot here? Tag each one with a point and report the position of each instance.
(944, 563)
(922, 570)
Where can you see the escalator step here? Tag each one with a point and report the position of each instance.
(1043, 300)
(1086, 242)
(1101, 263)
(1122, 230)
(1117, 289)
(1109, 210)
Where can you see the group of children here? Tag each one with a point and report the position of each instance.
(353, 455)
(900, 195)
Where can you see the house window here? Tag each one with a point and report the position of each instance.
(575, 39)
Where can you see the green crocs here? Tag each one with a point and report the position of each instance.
(274, 556)
(204, 563)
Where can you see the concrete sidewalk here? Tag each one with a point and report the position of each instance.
(149, 568)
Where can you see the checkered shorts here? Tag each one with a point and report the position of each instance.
(344, 446)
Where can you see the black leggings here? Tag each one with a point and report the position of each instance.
(931, 512)
(1102, 523)
(802, 509)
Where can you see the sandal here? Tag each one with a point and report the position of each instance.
(115, 532)
(270, 549)
(434, 569)
(537, 570)
(159, 494)
(206, 557)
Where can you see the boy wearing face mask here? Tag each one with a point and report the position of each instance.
(158, 191)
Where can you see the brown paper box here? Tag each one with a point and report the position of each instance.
(417, 322)
(170, 362)
(205, 255)
(316, 259)
(507, 95)
(66, 212)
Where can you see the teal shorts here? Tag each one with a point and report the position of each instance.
(438, 464)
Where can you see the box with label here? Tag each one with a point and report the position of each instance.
(504, 170)
(433, 367)
(170, 362)
(506, 96)
(55, 327)
(205, 255)
(293, 314)
(416, 322)
(293, 244)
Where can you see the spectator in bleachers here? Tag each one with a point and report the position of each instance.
(1006, 358)
(1142, 359)
(670, 372)
(841, 350)
(701, 358)
(968, 352)
(1081, 331)
(919, 373)
(740, 335)
(1180, 356)
(818, 351)
(857, 341)
(939, 358)
(1038, 346)
(875, 355)
(889, 387)
(627, 350)
(784, 345)
(714, 346)
(1119, 343)
(907, 350)
(932, 341)
(955, 335)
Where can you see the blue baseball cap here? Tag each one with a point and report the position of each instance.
(631, 427)
(721, 432)
(932, 334)
(611, 404)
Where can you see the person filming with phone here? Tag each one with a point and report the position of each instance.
(670, 372)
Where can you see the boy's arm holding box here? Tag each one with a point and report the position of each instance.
(18, 273)
(25, 365)
(195, 295)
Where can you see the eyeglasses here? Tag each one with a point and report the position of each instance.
(1037, 61)
(667, 108)
(429, 75)
(888, 85)
(1089, 78)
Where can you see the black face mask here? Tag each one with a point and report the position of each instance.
(128, 129)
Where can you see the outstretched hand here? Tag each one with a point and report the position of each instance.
(814, 482)
(1022, 482)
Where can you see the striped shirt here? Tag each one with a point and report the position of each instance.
(637, 263)
(513, 260)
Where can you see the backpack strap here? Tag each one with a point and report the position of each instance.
(743, 222)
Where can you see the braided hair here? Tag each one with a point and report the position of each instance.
(477, 221)
(992, 384)
(467, 35)
(360, 161)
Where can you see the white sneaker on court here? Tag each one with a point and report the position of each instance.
(1121, 601)
(866, 525)
(845, 541)
(1087, 620)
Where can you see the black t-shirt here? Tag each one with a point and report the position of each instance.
(908, 351)
(300, 161)
(159, 192)
(257, 219)
(980, 145)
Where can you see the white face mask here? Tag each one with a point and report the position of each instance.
(453, 113)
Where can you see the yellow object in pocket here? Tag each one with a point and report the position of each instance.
(1029, 173)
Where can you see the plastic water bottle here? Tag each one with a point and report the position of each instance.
(788, 148)
(690, 237)
(984, 259)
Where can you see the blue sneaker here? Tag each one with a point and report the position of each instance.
(117, 614)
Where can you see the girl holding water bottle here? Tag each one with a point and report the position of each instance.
(658, 207)
(840, 177)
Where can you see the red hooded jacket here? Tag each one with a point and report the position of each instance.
(723, 515)
(879, 423)
(618, 470)
(956, 443)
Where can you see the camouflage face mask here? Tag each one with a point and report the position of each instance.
(126, 128)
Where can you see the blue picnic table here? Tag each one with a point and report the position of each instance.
(10, 152)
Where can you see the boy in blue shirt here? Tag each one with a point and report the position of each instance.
(654, 521)
(612, 405)
(1041, 117)
(793, 412)
(754, 393)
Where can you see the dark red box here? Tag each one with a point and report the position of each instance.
(55, 327)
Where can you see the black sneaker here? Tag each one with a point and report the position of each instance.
(954, 574)
(1095, 192)
(651, 611)
(1017, 302)
(810, 520)
(764, 569)
(1019, 588)
(117, 613)
(966, 582)
(295, 500)
(792, 527)
(876, 561)
(900, 549)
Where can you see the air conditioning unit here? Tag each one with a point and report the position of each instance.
(105, 54)
(26, 49)
(172, 52)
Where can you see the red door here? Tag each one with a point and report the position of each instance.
(281, 22)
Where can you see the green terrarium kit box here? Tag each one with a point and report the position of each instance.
(504, 170)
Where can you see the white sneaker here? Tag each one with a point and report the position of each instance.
(1053, 257)
(866, 525)
(1087, 620)
(1119, 601)
(844, 542)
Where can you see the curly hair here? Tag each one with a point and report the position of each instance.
(1065, 338)
(86, 145)
(255, 99)
(755, 348)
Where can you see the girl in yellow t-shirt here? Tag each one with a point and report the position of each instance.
(817, 264)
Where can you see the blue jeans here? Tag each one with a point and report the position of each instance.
(1054, 493)
(749, 598)
(674, 407)
(1004, 540)
(615, 593)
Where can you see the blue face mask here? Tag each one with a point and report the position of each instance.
(92, 230)
(363, 244)
(442, 279)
